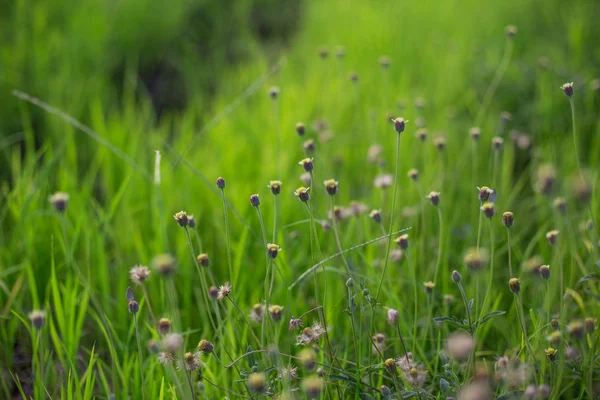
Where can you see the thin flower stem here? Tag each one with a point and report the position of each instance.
(227, 237)
(274, 219)
(188, 375)
(140, 355)
(389, 244)
(510, 270)
(490, 282)
(522, 322)
(148, 303)
(576, 146)
(402, 342)
(479, 228)
(268, 262)
(415, 299)
(245, 320)
(337, 237)
(439, 256)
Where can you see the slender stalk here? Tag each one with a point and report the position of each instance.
(510, 270)
(268, 262)
(415, 298)
(439, 256)
(148, 303)
(188, 375)
(245, 320)
(490, 274)
(479, 228)
(227, 237)
(337, 237)
(140, 354)
(522, 322)
(575, 145)
(274, 219)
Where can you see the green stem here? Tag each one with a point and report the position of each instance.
(246, 321)
(227, 237)
(415, 298)
(439, 256)
(490, 274)
(140, 359)
(509, 254)
(337, 237)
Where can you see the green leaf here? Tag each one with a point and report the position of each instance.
(588, 278)
(490, 315)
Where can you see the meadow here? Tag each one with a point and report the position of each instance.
(294, 199)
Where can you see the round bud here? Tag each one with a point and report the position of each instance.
(300, 129)
(213, 292)
(515, 285)
(273, 250)
(220, 183)
(568, 89)
(302, 194)
(182, 219)
(434, 198)
(307, 164)
(375, 215)
(456, 277)
(508, 219)
(203, 260)
(164, 326)
(331, 186)
(205, 346)
(429, 287)
(402, 241)
(390, 365)
(545, 271)
(134, 307)
(400, 124)
(254, 200)
(275, 187)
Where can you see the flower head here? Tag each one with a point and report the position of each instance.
(508, 219)
(552, 236)
(331, 186)
(275, 187)
(434, 198)
(567, 89)
(59, 201)
(205, 346)
(375, 215)
(514, 285)
(37, 318)
(400, 124)
(257, 314)
(310, 335)
(220, 183)
(254, 200)
(307, 164)
(300, 129)
(273, 250)
(182, 219)
(139, 274)
(273, 92)
(191, 361)
(488, 209)
(402, 241)
(203, 260)
(164, 264)
(224, 291)
(302, 194)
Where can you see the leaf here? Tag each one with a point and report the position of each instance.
(129, 294)
(491, 315)
(588, 278)
(452, 321)
(341, 378)
(444, 385)
(471, 306)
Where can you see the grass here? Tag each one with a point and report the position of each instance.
(452, 68)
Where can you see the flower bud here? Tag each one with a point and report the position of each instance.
(508, 219)
(331, 186)
(545, 271)
(400, 124)
(273, 92)
(164, 326)
(590, 324)
(552, 236)
(205, 346)
(300, 129)
(439, 142)
(392, 316)
(497, 143)
(568, 89)
(561, 205)
(273, 250)
(220, 183)
(429, 287)
(390, 365)
(302, 194)
(475, 133)
(375, 215)
(511, 31)
(134, 307)
(59, 201)
(182, 219)
(213, 292)
(421, 134)
(456, 277)
(254, 200)
(257, 383)
(434, 198)
(203, 260)
(413, 174)
(275, 187)
(488, 209)
(515, 285)
(307, 164)
(349, 283)
(402, 241)
(37, 318)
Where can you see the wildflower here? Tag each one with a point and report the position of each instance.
(392, 316)
(309, 146)
(421, 134)
(191, 361)
(551, 353)
(37, 318)
(273, 250)
(554, 324)
(375, 215)
(205, 346)
(390, 365)
(182, 219)
(552, 236)
(545, 178)
(511, 31)
(386, 393)
(173, 342)
(429, 287)
(273, 92)
(310, 335)
(153, 346)
(307, 164)
(590, 325)
(567, 89)
(374, 154)
(213, 292)
(571, 353)
(312, 387)
(456, 277)
(257, 313)
(295, 323)
(581, 188)
(224, 291)
(514, 285)
(166, 358)
(203, 260)
(475, 133)
(384, 62)
(486, 194)
(439, 142)
(288, 373)
(59, 201)
(413, 174)
(544, 391)
(530, 392)
(254, 200)
(384, 181)
(434, 198)
(508, 219)
(191, 221)
(497, 143)
(416, 376)
(306, 178)
(321, 372)
(575, 329)
(164, 264)
(323, 53)
(448, 299)
(220, 183)
(164, 326)
(378, 342)
(533, 264)
(275, 312)
(561, 205)
(275, 187)
(488, 209)
(302, 194)
(300, 129)
(476, 259)
(257, 383)
(400, 124)
(460, 345)
(396, 255)
(402, 241)
(133, 307)
(139, 274)
(554, 337)
(545, 271)
(308, 359)
(331, 186)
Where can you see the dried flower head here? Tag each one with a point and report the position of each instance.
(182, 218)
(429, 287)
(275, 312)
(478, 390)
(300, 129)
(273, 92)
(567, 88)
(164, 326)
(139, 274)
(413, 174)
(173, 342)
(306, 178)
(289, 373)
(59, 201)
(475, 133)
(383, 181)
(552, 236)
(164, 264)
(275, 187)
(400, 124)
(191, 361)
(439, 142)
(575, 329)
(545, 271)
(514, 285)
(220, 183)
(375, 215)
(310, 335)
(488, 209)
(497, 143)
(257, 314)
(374, 154)
(308, 359)
(295, 323)
(205, 346)
(460, 345)
(508, 219)
(166, 358)
(434, 198)
(37, 318)
(224, 291)
(390, 365)
(402, 241)
(392, 316)
(257, 383)
(476, 259)
(302, 194)
(331, 186)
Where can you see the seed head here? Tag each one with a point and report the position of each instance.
(590, 324)
(497, 143)
(173, 342)
(139, 274)
(182, 219)
(273, 250)
(475, 133)
(567, 89)
(213, 292)
(205, 346)
(551, 353)
(203, 260)
(552, 236)
(421, 134)
(275, 187)
(321, 372)
(164, 264)
(384, 62)
(383, 181)
(456, 277)
(413, 174)
(331, 186)
(295, 323)
(308, 359)
(37, 318)
(400, 124)
(392, 316)
(275, 312)
(545, 271)
(511, 31)
(390, 365)
(258, 312)
(375, 215)
(300, 129)
(59, 201)
(429, 287)
(514, 285)
(561, 205)
(224, 291)
(257, 383)
(220, 183)
(307, 164)
(476, 259)
(402, 241)
(312, 387)
(434, 198)
(191, 361)
(508, 219)
(488, 209)
(439, 142)
(254, 200)
(459, 346)
(273, 92)
(302, 194)
(134, 307)
(164, 326)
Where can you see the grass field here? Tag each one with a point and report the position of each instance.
(447, 247)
